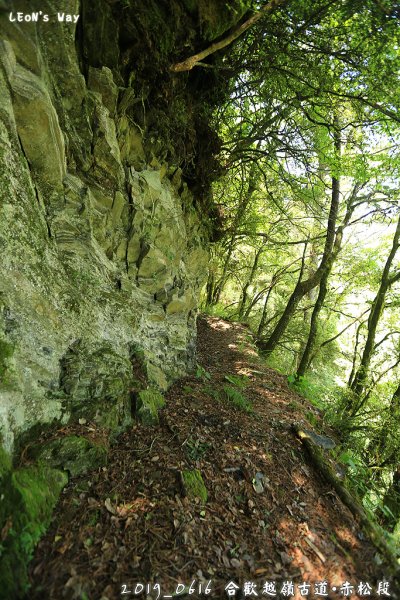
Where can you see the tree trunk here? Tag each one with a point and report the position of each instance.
(244, 295)
(219, 286)
(243, 204)
(304, 287)
(261, 324)
(353, 366)
(210, 288)
(312, 335)
(360, 377)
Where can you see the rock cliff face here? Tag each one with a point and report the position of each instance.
(103, 252)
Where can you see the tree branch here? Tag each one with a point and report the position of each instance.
(332, 339)
(194, 60)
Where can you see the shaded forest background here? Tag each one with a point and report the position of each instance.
(308, 219)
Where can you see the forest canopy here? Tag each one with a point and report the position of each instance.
(308, 250)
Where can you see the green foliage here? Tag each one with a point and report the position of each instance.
(295, 198)
(188, 389)
(5, 463)
(283, 161)
(28, 498)
(387, 512)
(356, 467)
(237, 398)
(239, 381)
(195, 449)
(201, 373)
(27, 539)
(308, 387)
(311, 418)
(93, 518)
(358, 477)
(218, 310)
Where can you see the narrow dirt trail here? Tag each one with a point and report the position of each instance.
(269, 517)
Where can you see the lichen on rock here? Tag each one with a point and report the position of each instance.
(5, 464)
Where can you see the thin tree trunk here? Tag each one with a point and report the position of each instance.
(244, 295)
(263, 319)
(353, 367)
(304, 287)
(342, 331)
(219, 286)
(387, 281)
(312, 335)
(253, 302)
(243, 204)
(210, 288)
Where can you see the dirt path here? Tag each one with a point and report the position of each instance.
(269, 516)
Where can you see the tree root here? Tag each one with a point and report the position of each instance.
(371, 529)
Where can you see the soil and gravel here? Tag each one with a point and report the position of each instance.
(270, 519)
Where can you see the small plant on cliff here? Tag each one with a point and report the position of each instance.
(195, 449)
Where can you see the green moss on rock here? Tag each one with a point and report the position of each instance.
(149, 403)
(75, 454)
(193, 485)
(216, 16)
(27, 501)
(5, 463)
(6, 351)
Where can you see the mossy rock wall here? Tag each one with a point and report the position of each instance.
(103, 239)
(28, 497)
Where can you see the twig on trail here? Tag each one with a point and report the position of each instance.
(152, 532)
(189, 562)
(315, 549)
(146, 450)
